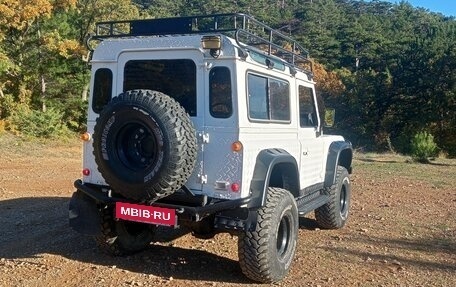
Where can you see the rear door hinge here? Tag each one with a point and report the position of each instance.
(203, 178)
(204, 137)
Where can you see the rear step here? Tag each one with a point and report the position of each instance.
(311, 202)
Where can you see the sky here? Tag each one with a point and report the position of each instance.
(446, 7)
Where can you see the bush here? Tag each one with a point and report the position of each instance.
(423, 147)
(7, 106)
(75, 113)
(37, 123)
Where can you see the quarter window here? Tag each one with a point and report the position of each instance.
(102, 89)
(269, 99)
(220, 101)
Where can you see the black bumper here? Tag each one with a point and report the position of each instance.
(88, 199)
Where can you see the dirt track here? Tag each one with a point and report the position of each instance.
(401, 232)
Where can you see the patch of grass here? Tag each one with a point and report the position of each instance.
(439, 173)
(14, 145)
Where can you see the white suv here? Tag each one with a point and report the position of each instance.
(209, 123)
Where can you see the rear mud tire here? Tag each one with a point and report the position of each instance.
(266, 253)
(123, 237)
(144, 145)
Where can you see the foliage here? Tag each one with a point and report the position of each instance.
(423, 147)
(40, 124)
(387, 69)
(74, 113)
(7, 106)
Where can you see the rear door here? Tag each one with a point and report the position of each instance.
(177, 74)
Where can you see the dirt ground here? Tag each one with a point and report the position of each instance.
(401, 231)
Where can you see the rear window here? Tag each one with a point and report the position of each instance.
(175, 78)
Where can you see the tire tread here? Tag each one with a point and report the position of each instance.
(328, 215)
(253, 245)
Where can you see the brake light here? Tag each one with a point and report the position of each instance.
(235, 187)
(86, 172)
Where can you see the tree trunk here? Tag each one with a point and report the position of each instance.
(85, 92)
(43, 94)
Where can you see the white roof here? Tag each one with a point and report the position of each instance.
(109, 49)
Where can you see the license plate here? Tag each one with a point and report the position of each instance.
(145, 214)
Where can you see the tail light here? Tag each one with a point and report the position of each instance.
(86, 172)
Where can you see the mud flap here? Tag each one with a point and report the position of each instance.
(84, 215)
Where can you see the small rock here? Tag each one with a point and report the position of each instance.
(395, 262)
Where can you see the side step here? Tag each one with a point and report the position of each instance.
(311, 202)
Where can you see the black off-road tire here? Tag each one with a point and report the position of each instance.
(334, 214)
(266, 254)
(144, 145)
(123, 237)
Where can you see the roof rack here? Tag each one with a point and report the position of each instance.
(246, 30)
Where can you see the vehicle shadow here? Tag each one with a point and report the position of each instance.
(308, 223)
(35, 226)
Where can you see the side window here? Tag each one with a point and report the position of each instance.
(269, 99)
(258, 97)
(279, 95)
(307, 112)
(102, 89)
(220, 101)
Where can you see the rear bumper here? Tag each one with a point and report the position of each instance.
(188, 212)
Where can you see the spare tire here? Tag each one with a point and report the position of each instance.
(144, 145)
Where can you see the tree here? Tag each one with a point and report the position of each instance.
(41, 52)
(88, 12)
(321, 21)
(20, 36)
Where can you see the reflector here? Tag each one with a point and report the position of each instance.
(85, 136)
(235, 187)
(236, 146)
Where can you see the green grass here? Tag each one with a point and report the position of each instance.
(439, 173)
(14, 145)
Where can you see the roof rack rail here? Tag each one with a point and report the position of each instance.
(246, 30)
